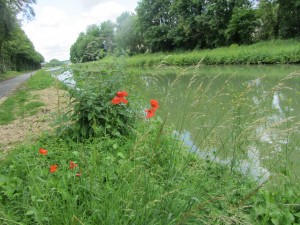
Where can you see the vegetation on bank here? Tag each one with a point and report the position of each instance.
(104, 165)
(178, 25)
(267, 52)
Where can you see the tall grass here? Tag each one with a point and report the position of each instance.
(151, 176)
(267, 52)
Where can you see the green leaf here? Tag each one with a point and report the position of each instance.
(3, 179)
(121, 155)
(75, 153)
(30, 212)
(90, 116)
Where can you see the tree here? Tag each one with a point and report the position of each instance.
(93, 44)
(241, 26)
(154, 22)
(186, 32)
(126, 37)
(54, 62)
(267, 14)
(16, 50)
(107, 33)
(289, 18)
(215, 19)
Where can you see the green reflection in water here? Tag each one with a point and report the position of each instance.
(232, 113)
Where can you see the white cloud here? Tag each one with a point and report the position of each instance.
(51, 16)
(87, 4)
(102, 12)
(57, 25)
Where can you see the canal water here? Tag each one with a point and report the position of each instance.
(244, 116)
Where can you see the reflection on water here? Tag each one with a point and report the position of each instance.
(64, 76)
(67, 78)
(276, 102)
(252, 166)
(228, 113)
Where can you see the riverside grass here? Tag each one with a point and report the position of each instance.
(267, 52)
(146, 177)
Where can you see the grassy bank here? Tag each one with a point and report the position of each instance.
(268, 52)
(111, 165)
(146, 178)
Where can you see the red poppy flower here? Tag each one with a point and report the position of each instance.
(122, 94)
(53, 168)
(115, 101)
(43, 151)
(154, 103)
(72, 165)
(150, 112)
(120, 98)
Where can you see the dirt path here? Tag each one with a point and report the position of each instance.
(29, 128)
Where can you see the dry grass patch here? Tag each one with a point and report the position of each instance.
(28, 128)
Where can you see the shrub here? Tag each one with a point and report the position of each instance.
(93, 113)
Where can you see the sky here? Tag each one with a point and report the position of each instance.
(58, 23)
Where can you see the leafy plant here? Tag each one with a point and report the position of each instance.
(93, 112)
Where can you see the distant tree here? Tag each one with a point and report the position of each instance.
(54, 62)
(127, 37)
(267, 14)
(289, 18)
(20, 53)
(94, 43)
(241, 26)
(185, 31)
(16, 50)
(154, 22)
(107, 34)
(214, 21)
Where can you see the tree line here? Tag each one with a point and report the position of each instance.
(16, 50)
(172, 25)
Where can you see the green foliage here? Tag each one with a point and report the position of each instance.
(278, 204)
(16, 50)
(267, 13)
(268, 52)
(165, 25)
(92, 111)
(154, 22)
(288, 18)
(145, 177)
(126, 37)
(40, 80)
(93, 44)
(241, 26)
(149, 178)
(54, 63)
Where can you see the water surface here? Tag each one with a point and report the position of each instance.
(244, 116)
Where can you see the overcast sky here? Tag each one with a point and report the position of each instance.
(58, 23)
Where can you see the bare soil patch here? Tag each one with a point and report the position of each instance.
(29, 128)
